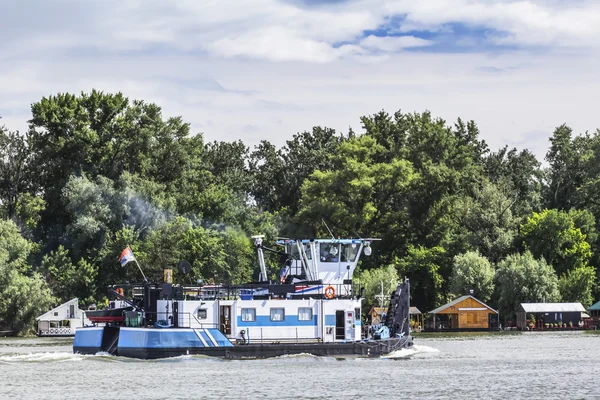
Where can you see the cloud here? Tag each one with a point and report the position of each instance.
(272, 68)
(392, 44)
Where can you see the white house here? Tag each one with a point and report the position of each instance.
(62, 320)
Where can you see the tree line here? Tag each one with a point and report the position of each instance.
(97, 172)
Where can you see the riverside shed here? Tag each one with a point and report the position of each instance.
(464, 313)
(549, 313)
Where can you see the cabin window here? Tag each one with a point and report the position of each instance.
(202, 314)
(329, 252)
(296, 255)
(277, 314)
(305, 314)
(349, 252)
(307, 251)
(248, 314)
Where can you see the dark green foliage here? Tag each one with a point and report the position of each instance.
(97, 172)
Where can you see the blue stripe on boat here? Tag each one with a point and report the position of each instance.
(265, 320)
(149, 338)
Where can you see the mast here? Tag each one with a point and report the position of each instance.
(261, 257)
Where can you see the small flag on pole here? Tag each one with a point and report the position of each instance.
(126, 256)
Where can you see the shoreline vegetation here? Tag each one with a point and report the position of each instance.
(97, 172)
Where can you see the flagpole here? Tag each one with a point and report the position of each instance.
(138, 265)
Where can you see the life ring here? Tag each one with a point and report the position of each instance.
(329, 292)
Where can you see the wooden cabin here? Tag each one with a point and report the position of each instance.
(464, 313)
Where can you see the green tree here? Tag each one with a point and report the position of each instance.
(97, 134)
(471, 271)
(422, 266)
(565, 174)
(520, 278)
(14, 249)
(577, 285)
(67, 280)
(361, 196)
(483, 222)
(553, 235)
(23, 294)
(278, 175)
(374, 282)
(15, 174)
(520, 175)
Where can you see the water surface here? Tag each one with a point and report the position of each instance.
(479, 366)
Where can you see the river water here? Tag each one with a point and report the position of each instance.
(563, 365)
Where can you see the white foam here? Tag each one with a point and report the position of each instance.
(41, 357)
(405, 353)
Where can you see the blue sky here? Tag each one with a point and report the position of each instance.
(266, 69)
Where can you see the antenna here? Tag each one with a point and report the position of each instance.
(331, 233)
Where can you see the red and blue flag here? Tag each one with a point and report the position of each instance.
(126, 256)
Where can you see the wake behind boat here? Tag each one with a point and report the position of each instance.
(315, 308)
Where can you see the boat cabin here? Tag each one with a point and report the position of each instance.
(313, 298)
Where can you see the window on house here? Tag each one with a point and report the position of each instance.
(248, 314)
(277, 314)
(305, 314)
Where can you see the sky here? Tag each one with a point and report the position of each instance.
(267, 69)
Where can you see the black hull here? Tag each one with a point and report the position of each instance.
(372, 348)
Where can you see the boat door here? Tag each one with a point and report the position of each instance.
(225, 319)
(350, 325)
(339, 325)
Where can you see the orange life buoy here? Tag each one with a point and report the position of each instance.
(329, 292)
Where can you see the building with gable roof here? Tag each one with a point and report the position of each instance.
(464, 313)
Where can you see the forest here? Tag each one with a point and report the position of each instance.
(97, 172)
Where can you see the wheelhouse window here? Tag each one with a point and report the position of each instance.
(293, 250)
(202, 313)
(277, 314)
(307, 251)
(248, 314)
(349, 252)
(305, 314)
(329, 252)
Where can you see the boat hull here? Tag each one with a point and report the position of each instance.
(356, 349)
(149, 343)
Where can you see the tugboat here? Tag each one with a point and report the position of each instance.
(314, 308)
